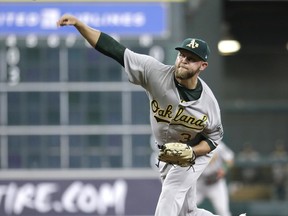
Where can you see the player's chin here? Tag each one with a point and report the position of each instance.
(182, 75)
(180, 72)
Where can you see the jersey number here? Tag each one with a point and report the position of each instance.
(185, 137)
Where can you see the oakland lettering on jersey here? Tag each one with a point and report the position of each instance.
(167, 113)
(190, 120)
(180, 118)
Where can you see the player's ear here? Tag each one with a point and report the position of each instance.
(204, 65)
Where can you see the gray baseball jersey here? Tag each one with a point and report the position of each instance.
(172, 119)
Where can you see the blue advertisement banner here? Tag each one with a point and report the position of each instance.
(125, 197)
(124, 19)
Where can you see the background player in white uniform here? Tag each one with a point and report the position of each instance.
(182, 109)
(212, 183)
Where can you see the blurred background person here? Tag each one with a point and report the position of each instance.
(212, 183)
(279, 170)
(249, 155)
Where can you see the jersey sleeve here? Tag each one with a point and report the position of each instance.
(139, 67)
(214, 130)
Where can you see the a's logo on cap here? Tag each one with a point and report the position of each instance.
(193, 44)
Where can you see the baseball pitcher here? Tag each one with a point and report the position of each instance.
(184, 114)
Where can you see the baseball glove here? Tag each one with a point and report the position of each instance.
(177, 154)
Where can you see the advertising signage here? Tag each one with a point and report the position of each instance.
(123, 19)
(129, 197)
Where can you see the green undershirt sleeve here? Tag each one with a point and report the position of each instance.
(199, 138)
(110, 47)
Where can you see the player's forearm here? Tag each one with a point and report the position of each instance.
(102, 42)
(202, 148)
(90, 34)
(97, 39)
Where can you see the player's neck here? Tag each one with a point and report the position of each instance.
(188, 83)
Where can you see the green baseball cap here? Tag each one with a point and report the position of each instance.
(195, 46)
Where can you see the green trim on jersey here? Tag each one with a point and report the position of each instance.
(189, 94)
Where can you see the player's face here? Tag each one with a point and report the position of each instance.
(188, 65)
